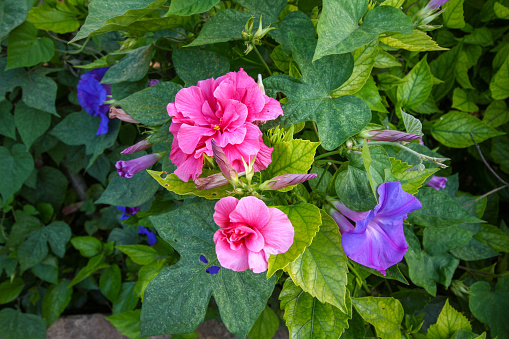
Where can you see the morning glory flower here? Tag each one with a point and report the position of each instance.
(127, 169)
(434, 4)
(139, 146)
(437, 182)
(388, 135)
(377, 240)
(128, 211)
(91, 96)
(151, 237)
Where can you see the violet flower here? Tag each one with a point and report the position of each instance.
(126, 169)
(377, 240)
(437, 182)
(91, 96)
(285, 180)
(153, 82)
(388, 135)
(151, 237)
(139, 146)
(128, 211)
(434, 4)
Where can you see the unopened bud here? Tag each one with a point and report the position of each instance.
(139, 146)
(120, 114)
(285, 180)
(260, 84)
(387, 135)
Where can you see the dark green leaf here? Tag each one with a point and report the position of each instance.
(7, 127)
(13, 13)
(132, 67)
(15, 167)
(265, 326)
(16, 325)
(55, 300)
(193, 65)
(88, 246)
(127, 323)
(26, 49)
(59, 234)
(190, 7)
(110, 282)
(9, 291)
(352, 187)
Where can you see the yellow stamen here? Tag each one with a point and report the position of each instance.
(217, 128)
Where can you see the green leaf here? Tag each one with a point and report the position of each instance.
(266, 326)
(140, 254)
(94, 264)
(132, 67)
(306, 221)
(306, 317)
(15, 166)
(499, 84)
(31, 123)
(146, 274)
(126, 300)
(439, 210)
(59, 19)
(416, 86)
(501, 11)
(193, 65)
(190, 7)
(13, 13)
(47, 269)
(449, 321)
(292, 157)
(127, 323)
(376, 162)
(500, 152)
(58, 233)
(9, 291)
(491, 306)
(33, 250)
(110, 282)
(412, 124)
(441, 240)
(411, 181)
(493, 237)
(444, 68)
(269, 9)
(309, 98)
(339, 30)
(176, 300)
(453, 130)
(353, 189)
(496, 114)
(24, 226)
(88, 246)
(7, 127)
(109, 15)
(453, 14)
(55, 300)
(385, 60)
(418, 41)
(322, 269)
(369, 93)
(26, 49)
(129, 192)
(15, 325)
(385, 314)
(148, 106)
(462, 101)
(364, 60)
(173, 184)
(294, 24)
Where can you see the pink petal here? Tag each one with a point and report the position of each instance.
(208, 87)
(172, 111)
(254, 242)
(228, 258)
(263, 157)
(177, 157)
(189, 137)
(234, 114)
(189, 102)
(258, 262)
(251, 211)
(190, 168)
(271, 110)
(233, 138)
(255, 101)
(278, 233)
(223, 208)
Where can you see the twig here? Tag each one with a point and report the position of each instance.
(261, 59)
(486, 163)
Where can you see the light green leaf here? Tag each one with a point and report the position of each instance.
(339, 30)
(146, 274)
(499, 84)
(453, 14)
(110, 282)
(449, 321)
(59, 19)
(453, 130)
(493, 237)
(173, 184)
(309, 97)
(127, 323)
(132, 67)
(140, 254)
(496, 114)
(193, 65)
(491, 306)
(15, 166)
(148, 106)
(364, 60)
(176, 300)
(416, 86)
(31, 123)
(322, 269)
(412, 124)
(306, 221)
(418, 41)
(369, 93)
(444, 68)
(13, 13)
(385, 314)
(26, 49)
(190, 7)
(87, 245)
(292, 157)
(501, 11)
(15, 325)
(55, 300)
(94, 264)
(306, 317)
(462, 101)
(9, 291)
(265, 326)
(385, 60)
(411, 181)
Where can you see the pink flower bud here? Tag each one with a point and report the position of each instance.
(127, 169)
(121, 115)
(139, 146)
(388, 135)
(212, 181)
(222, 161)
(286, 180)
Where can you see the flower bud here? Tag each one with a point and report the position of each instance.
(387, 135)
(121, 115)
(127, 169)
(437, 182)
(222, 161)
(260, 84)
(139, 146)
(152, 82)
(212, 181)
(285, 180)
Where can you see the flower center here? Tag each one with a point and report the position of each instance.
(217, 128)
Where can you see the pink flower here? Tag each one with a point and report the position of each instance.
(250, 232)
(223, 109)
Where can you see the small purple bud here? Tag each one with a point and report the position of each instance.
(128, 211)
(139, 146)
(388, 135)
(203, 259)
(434, 4)
(151, 237)
(126, 169)
(120, 114)
(152, 82)
(222, 161)
(437, 182)
(286, 180)
(213, 270)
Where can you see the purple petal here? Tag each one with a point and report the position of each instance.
(127, 169)
(212, 181)
(203, 259)
(103, 126)
(286, 180)
(352, 215)
(139, 146)
(343, 223)
(213, 270)
(437, 182)
(391, 135)
(436, 3)
(152, 82)
(151, 237)
(395, 204)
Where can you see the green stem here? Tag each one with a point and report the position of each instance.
(437, 161)
(354, 271)
(2, 226)
(261, 59)
(322, 176)
(328, 154)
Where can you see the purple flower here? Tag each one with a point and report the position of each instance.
(437, 182)
(434, 4)
(152, 82)
(126, 169)
(388, 135)
(203, 259)
(139, 146)
(213, 270)
(128, 211)
(377, 240)
(151, 237)
(91, 96)
(285, 180)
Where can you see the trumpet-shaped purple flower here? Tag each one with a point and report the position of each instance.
(377, 240)
(437, 182)
(434, 4)
(388, 135)
(91, 96)
(151, 237)
(128, 211)
(127, 169)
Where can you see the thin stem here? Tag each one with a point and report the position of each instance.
(468, 269)
(328, 154)
(354, 271)
(2, 226)
(437, 161)
(486, 163)
(487, 194)
(412, 4)
(261, 59)
(322, 176)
